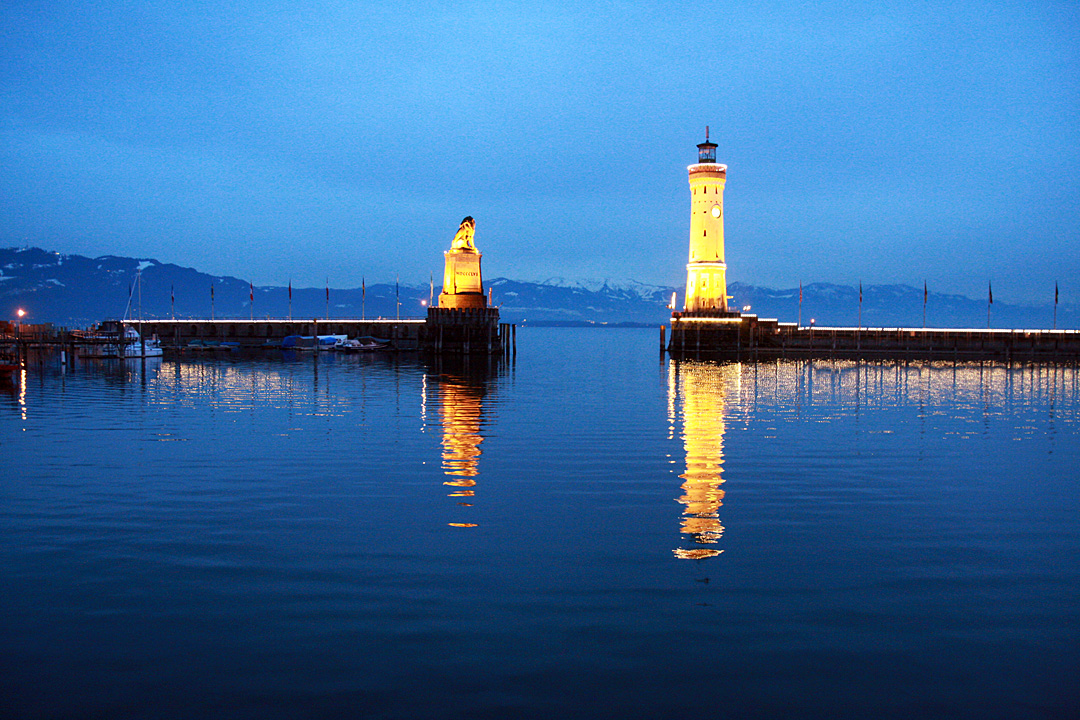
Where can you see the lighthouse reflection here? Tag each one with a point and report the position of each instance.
(459, 392)
(697, 396)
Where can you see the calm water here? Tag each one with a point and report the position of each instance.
(591, 531)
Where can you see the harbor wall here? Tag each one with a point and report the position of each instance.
(445, 330)
(178, 334)
(747, 337)
(453, 330)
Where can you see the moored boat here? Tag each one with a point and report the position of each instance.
(312, 342)
(363, 344)
(114, 339)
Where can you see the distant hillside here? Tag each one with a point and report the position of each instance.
(76, 291)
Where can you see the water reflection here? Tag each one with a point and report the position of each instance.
(697, 398)
(850, 384)
(459, 390)
(705, 397)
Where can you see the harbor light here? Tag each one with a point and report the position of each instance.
(706, 273)
(21, 313)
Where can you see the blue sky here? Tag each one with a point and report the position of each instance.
(881, 142)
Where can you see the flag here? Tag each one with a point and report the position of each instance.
(1055, 294)
(172, 294)
(251, 292)
(290, 289)
(363, 288)
(990, 290)
(860, 292)
(800, 291)
(327, 291)
(925, 293)
(211, 292)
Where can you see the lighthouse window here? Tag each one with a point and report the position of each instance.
(704, 233)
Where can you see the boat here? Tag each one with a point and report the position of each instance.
(363, 344)
(8, 367)
(118, 338)
(312, 342)
(114, 339)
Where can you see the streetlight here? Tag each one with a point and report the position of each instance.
(20, 314)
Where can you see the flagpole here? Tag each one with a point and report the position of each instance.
(397, 295)
(327, 298)
(860, 305)
(924, 296)
(251, 300)
(989, 301)
(1055, 303)
(363, 298)
(800, 300)
(211, 301)
(172, 301)
(290, 299)
(858, 334)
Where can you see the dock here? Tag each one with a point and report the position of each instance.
(449, 332)
(180, 334)
(737, 336)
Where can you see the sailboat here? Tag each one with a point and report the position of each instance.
(117, 338)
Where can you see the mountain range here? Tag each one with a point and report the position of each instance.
(77, 291)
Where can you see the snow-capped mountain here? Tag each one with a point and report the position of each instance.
(75, 291)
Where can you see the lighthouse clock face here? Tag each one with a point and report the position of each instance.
(716, 211)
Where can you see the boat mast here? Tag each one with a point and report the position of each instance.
(142, 340)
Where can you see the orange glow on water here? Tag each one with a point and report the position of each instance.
(697, 391)
(461, 410)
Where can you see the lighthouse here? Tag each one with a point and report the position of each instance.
(706, 273)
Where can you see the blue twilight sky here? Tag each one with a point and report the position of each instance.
(882, 141)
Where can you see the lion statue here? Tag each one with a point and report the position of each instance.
(463, 240)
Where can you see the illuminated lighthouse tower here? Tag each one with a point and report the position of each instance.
(706, 273)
